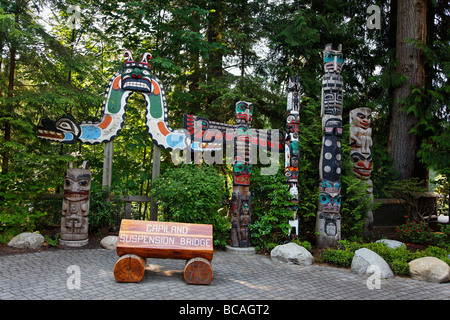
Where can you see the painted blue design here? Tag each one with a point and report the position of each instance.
(176, 140)
(90, 133)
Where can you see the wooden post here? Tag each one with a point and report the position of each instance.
(198, 271)
(107, 163)
(129, 268)
(155, 174)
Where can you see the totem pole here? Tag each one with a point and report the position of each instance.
(292, 148)
(360, 154)
(241, 199)
(75, 207)
(328, 220)
(206, 135)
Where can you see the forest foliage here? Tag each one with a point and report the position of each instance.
(57, 56)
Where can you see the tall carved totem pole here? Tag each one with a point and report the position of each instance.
(241, 199)
(292, 148)
(328, 220)
(360, 154)
(75, 206)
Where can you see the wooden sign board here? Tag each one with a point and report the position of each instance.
(167, 240)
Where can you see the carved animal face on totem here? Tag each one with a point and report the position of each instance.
(74, 221)
(136, 76)
(293, 123)
(332, 59)
(361, 117)
(329, 203)
(244, 112)
(291, 174)
(329, 224)
(242, 133)
(330, 187)
(63, 130)
(362, 164)
(77, 184)
(242, 172)
(245, 207)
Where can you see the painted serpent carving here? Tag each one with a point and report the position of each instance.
(134, 77)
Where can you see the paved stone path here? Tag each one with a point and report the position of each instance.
(49, 275)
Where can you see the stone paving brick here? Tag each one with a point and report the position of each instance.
(43, 275)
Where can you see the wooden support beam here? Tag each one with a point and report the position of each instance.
(155, 174)
(107, 163)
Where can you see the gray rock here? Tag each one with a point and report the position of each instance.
(293, 254)
(365, 258)
(429, 269)
(109, 242)
(27, 240)
(393, 244)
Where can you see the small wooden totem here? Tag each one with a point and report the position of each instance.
(75, 207)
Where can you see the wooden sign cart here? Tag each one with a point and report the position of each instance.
(139, 240)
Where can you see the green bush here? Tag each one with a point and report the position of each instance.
(400, 266)
(270, 212)
(194, 194)
(304, 244)
(17, 210)
(339, 257)
(103, 211)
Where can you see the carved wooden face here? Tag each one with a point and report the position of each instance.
(330, 186)
(244, 112)
(293, 123)
(136, 76)
(242, 173)
(362, 164)
(77, 184)
(330, 203)
(332, 59)
(329, 224)
(361, 117)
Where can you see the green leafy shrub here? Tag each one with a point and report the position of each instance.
(304, 244)
(270, 212)
(17, 210)
(433, 251)
(194, 194)
(400, 266)
(103, 209)
(339, 257)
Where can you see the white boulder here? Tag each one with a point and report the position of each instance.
(109, 242)
(27, 240)
(365, 258)
(293, 254)
(393, 244)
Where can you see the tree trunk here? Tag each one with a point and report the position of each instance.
(7, 130)
(411, 24)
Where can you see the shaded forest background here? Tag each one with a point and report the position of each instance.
(209, 55)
